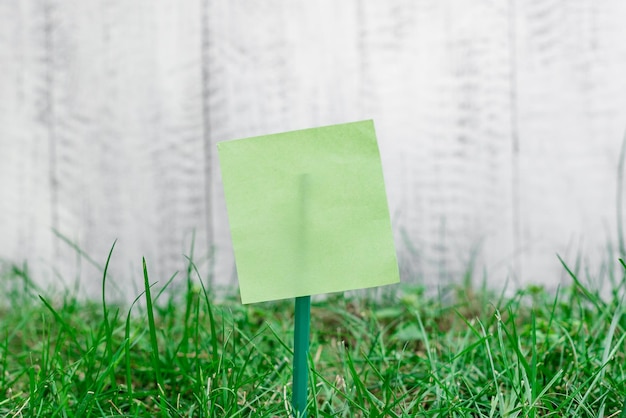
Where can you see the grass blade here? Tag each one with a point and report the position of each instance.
(156, 366)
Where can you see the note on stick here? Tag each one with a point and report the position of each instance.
(308, 212)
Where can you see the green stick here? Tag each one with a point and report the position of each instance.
(300, 355)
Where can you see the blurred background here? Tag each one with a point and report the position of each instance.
(500, 125)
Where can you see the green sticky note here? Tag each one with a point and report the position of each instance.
(308, 212)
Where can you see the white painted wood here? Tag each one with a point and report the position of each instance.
(499, 125)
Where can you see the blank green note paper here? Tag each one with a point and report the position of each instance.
(308, 212)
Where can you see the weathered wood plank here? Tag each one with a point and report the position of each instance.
(573, 113)
(121, 90)
(25, 200)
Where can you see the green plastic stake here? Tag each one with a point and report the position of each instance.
(300, 355)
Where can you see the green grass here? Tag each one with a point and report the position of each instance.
(184, 353)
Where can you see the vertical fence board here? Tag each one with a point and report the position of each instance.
(25, 201)
(569, 143)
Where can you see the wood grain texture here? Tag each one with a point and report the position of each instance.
(499, 126)
(25, 199)
(573, 115)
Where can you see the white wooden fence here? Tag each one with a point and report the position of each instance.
(499, 122)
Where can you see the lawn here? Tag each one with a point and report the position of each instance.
(403, 351)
